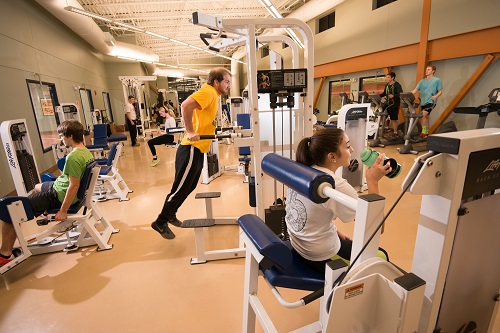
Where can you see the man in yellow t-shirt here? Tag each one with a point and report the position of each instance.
(199, 113)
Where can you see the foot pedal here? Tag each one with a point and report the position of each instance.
(198, 223)
(205, 195)
(42, 222)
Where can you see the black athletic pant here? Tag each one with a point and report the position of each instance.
(160, 140)
(132, 129)
(188, 166)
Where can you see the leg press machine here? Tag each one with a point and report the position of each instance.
(85, 225)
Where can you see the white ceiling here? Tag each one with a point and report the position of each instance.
(172, 18)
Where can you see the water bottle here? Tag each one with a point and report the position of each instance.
(368, 157)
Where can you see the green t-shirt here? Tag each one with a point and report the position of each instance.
(76, 162)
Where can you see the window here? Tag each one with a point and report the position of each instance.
(88, 107)
(107, 105)
(264, 51)
(334, 99)
(326, 22)
(43, 100)
(380, 3)
(373, 84)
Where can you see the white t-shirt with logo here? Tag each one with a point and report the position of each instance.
(313, 233)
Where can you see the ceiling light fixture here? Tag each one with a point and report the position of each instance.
(144, 31)
(274, 13)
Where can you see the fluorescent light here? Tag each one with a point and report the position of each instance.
(85, 13)
(144, 31)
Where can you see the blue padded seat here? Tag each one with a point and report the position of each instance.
(117, 137)
(82, 190)
(283, 266)
(4, 213)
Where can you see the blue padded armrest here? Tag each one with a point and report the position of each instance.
(264, 239)
(300, 177)
(4, 213)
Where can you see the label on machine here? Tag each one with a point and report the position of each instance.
(285, 79)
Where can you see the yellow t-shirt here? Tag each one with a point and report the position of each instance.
(204, 119)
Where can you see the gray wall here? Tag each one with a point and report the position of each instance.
(32, 41)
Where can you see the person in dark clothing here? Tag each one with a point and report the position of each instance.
(391, 93)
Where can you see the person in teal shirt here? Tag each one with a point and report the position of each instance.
(430, 89)
(60, 193)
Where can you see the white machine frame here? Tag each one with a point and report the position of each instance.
(354, 119)
(302, 116)
(11, 148)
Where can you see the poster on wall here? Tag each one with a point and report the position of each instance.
(47, 107)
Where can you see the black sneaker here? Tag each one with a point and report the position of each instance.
(163, 229)
(175, 222)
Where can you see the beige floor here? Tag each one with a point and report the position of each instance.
(145, 283)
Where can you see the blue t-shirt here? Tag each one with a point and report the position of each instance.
(429, 88)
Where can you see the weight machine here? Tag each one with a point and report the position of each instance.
(131, 86)
(455, 281)
(85, 226)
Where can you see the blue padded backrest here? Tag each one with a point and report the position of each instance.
(266, 242)
(243, 120)
(112, 153)
(300, 177)
(4, 213)
(85, 182)
(100, 131)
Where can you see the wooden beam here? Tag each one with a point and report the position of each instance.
(318, 91)
(403, 55)
(153, 88)
(479, 42)
(423, 46)
(487, 61)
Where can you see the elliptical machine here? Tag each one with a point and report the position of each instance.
(412, 125)
(380, 112)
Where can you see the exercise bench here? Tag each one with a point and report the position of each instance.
(199, 225)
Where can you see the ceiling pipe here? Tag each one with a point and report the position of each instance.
(87, 29)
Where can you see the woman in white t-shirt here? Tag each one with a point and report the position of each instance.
(165, 138)
(313, 233)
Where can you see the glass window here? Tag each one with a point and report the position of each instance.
(326, 22)
(88, 107)
(337, 87)
(373, 85)
(264, 51)
(380, 3)
(43, 101)
(107, 105)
